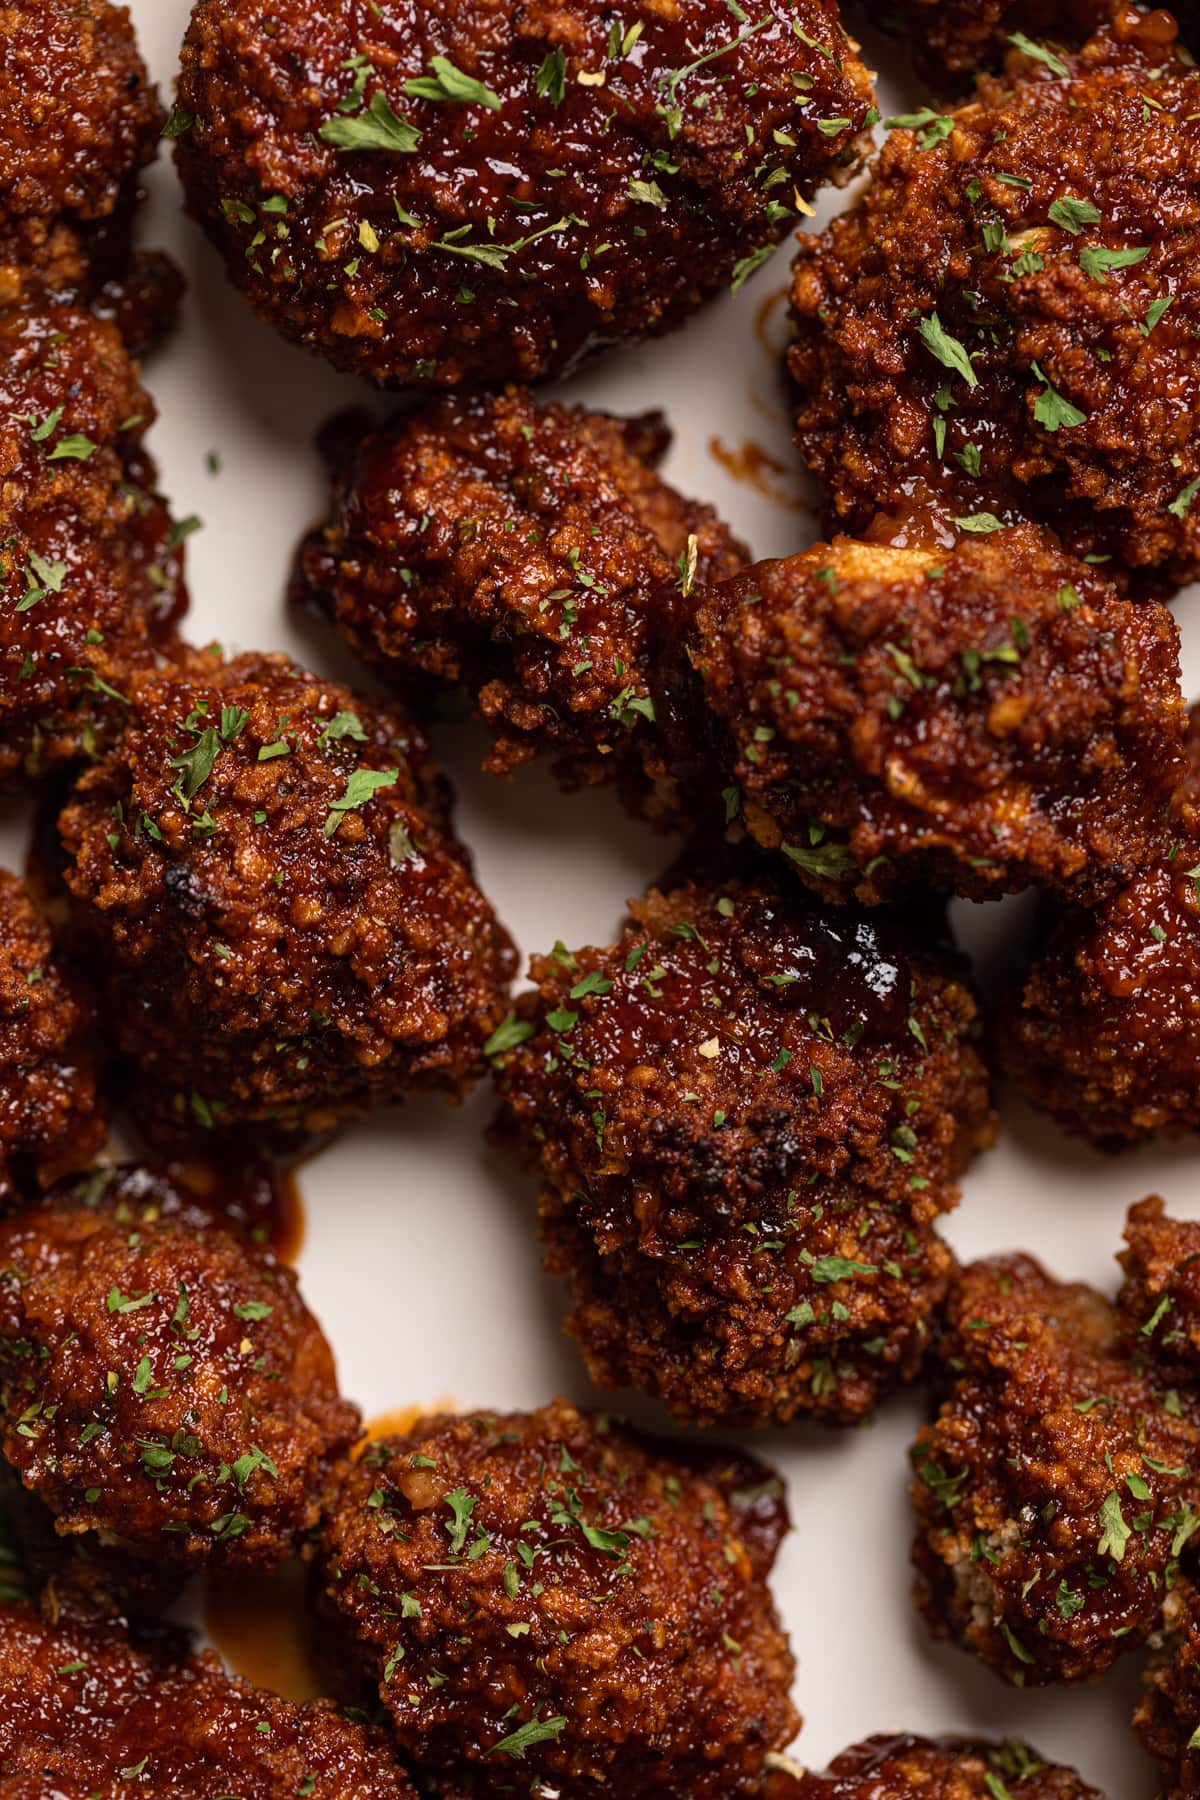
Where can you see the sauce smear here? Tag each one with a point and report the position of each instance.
(750, 464)
(773, 339)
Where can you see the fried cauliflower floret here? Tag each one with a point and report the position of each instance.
(1007, 325)
(903, 1768)
(163, 1387)
(283, 926)
(517, 549)
(596, 1613)
(83, 1712)
(90, 566)
(1158, 1307)
(51, 1117)
(978, 720)
(79, 121)
(1055, 1491)
(746, 1116)
(1105, 1032)
(451, 196)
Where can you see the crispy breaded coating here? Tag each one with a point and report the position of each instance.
(162, 1385)
(469, 195)
(1104, 1034)
(1055, 1492)
(517, 549)
(594, 1610)
(85, 1713)
(79, 121)
(1007, 325)
(747, 1115)
(912, 1768)
(51, 1116)
(979, 719)
(90, 565)
(284, 928)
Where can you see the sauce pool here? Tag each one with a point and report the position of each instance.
(259, 1197)
(265, 1629)
(402, 1419)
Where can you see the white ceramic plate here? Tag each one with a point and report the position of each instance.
(420, 1257)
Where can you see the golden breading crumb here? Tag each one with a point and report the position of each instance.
(951, 39)
(79, 121)
(1104, 1032)
(903, 1768)
(1158, 1307)
(1168, 1719)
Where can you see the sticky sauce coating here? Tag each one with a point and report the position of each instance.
(746, 1116)
(979, 719)
(517, 549)
(286, 931)
(1007, 325)
(545, 1598)
(453, 195)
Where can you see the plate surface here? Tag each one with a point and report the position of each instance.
(419, 1256)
